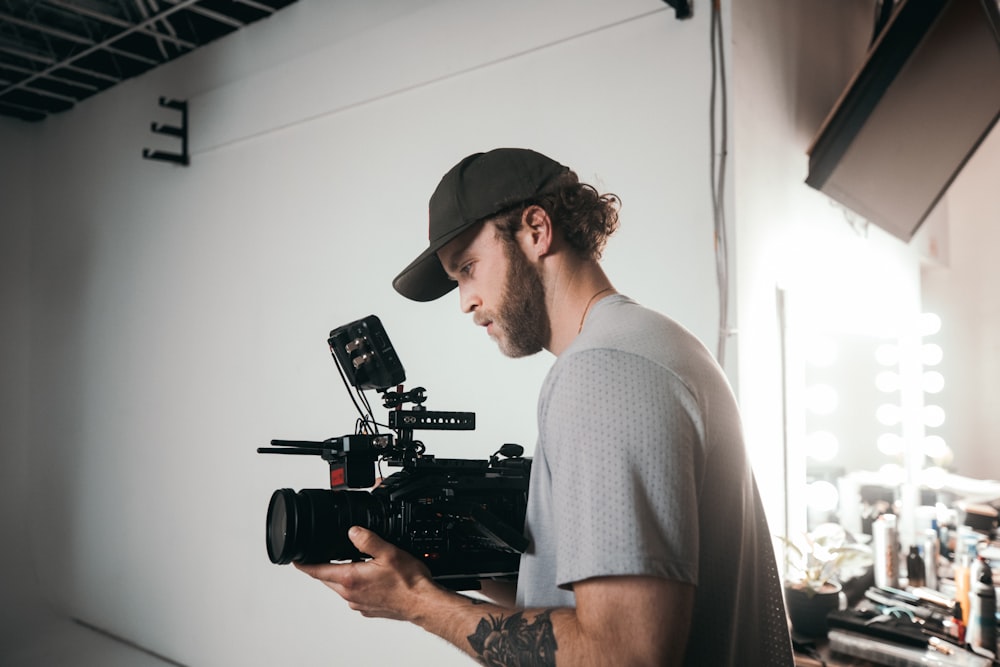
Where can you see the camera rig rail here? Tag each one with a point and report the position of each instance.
(352, 458)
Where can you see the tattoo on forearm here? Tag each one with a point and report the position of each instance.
(512, 641)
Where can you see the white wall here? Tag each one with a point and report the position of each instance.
(176, 317)
(15, 140)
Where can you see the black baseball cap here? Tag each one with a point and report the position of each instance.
(477, 188)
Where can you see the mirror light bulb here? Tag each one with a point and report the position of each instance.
(928, 324)
(933, 415)
(935, 447)
(887, 354)
(933, 382)
(888, 414)
(933, 477)
(822, 445)
(931, 354)
(887, 381)
(890, 444)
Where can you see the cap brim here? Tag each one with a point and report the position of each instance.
(425, 279)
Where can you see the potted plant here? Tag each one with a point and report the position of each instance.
(816, 566)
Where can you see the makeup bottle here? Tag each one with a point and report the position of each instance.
(914, 567)
(885, 550)
(965, 557)
(931, 549)
(981, 629)
(956, 628)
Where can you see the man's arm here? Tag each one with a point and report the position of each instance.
(617, 620)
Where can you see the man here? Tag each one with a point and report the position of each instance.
(649, 545)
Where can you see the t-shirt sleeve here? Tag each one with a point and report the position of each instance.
(623, 439)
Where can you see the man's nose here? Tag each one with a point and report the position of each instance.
(468, 299)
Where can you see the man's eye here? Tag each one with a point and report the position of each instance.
(466, 269)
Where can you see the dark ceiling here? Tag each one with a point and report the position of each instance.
(54, 53)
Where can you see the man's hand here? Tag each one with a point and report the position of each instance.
(389, 585)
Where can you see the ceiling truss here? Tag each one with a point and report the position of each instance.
(55, 53)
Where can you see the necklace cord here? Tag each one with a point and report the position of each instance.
(590, 303)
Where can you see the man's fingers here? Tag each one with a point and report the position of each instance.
(368, 542)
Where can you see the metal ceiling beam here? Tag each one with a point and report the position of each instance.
(47, 30)
(218, 18)
(258, 6)
(15, 105)
(47, 73)
(48, 93)
(89, 72)
(51, 77)
(16, 68)
(129, 54)
(27, 55)
(40, 32)
(73, 9)
(138, 27)
(121, 23)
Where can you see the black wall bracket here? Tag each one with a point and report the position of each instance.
(180, 132)
(682, 8)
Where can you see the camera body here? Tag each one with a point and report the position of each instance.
(464, 518)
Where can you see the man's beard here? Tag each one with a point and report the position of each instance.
(521, 317)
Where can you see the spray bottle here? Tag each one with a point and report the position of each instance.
(981, 629)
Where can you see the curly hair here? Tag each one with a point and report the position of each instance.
(585, 217)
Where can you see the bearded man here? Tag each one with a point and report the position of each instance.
(648, 541)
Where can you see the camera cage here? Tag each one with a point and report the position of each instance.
(367, 360)
(450, 489)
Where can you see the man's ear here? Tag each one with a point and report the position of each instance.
(536, 233)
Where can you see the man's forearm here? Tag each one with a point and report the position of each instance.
(494, 635)
(618, 620)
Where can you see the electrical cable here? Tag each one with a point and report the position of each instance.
(717, 169)
(343, 378)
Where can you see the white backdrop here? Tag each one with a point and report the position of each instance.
(177, 317)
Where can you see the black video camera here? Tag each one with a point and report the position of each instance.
(463, 518)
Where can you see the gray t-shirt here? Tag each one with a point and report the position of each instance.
(640, 469)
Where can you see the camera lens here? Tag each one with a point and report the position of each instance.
(311, 526)
(278, 530)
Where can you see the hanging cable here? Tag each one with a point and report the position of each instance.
(717, 167)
